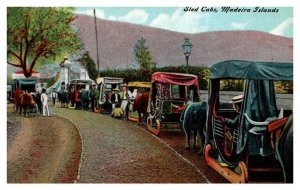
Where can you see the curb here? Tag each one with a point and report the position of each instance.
(81, 155)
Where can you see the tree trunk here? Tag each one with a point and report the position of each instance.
(27, 73)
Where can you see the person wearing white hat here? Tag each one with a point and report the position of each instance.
(237, 105)
(125, 94)
(115, 98)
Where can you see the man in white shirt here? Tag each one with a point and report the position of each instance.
(125, 94)
(44, 100)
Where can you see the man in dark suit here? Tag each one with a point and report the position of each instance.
(115, 98)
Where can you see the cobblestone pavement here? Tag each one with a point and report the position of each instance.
(114, 151)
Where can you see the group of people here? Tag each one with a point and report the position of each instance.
(120, 101)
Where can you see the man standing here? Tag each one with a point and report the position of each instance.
(94, 93)
(53, 96)
(44, 100)
(115, 98)
(125, 94)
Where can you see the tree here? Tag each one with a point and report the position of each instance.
(142, 54)
(90, 66)
(35, 35)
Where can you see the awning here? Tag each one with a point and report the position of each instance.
(20, 75)
(175, 78)
(252, 70)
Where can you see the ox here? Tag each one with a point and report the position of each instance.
(193, 120)
(140, 105)
(23, 100)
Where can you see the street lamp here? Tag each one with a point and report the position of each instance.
(187, 49)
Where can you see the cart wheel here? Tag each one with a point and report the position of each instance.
(134, 119)
(153, 130)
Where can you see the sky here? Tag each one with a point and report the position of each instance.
(176, 19)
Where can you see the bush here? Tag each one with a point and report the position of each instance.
(145, 75)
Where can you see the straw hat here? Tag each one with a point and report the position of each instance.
(237, 99)
(116, 89)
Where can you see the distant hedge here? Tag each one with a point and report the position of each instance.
(145, 75)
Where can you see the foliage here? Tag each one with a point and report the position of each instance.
(232, 85)
(142, 55)
(9, 79)
(284, 87)
(145, 75)
(90, 66)
(37, 34)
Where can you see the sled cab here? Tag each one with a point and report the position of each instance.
(77, 85)
(169, 94)
(250, 127)
(26, 84)
(106, 85)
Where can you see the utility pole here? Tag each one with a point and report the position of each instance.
(98, 67)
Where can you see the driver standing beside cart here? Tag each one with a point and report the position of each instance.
(125, 94)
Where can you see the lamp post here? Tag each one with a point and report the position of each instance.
(187, 49)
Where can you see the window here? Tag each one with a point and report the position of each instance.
(229, 88)
(174, 91)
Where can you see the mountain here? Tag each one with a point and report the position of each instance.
(116, 42)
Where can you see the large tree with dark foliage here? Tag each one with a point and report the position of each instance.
(39, 35)
(90, 66)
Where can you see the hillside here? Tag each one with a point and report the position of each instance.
(117, 40)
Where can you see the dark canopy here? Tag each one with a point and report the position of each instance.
(252, 70)
(26, 82)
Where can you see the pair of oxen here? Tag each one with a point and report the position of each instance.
(23, 101)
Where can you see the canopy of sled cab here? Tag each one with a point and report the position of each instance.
(252, 70)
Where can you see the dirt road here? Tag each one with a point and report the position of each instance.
(41, 149)
(114, 151)
(47, 150)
